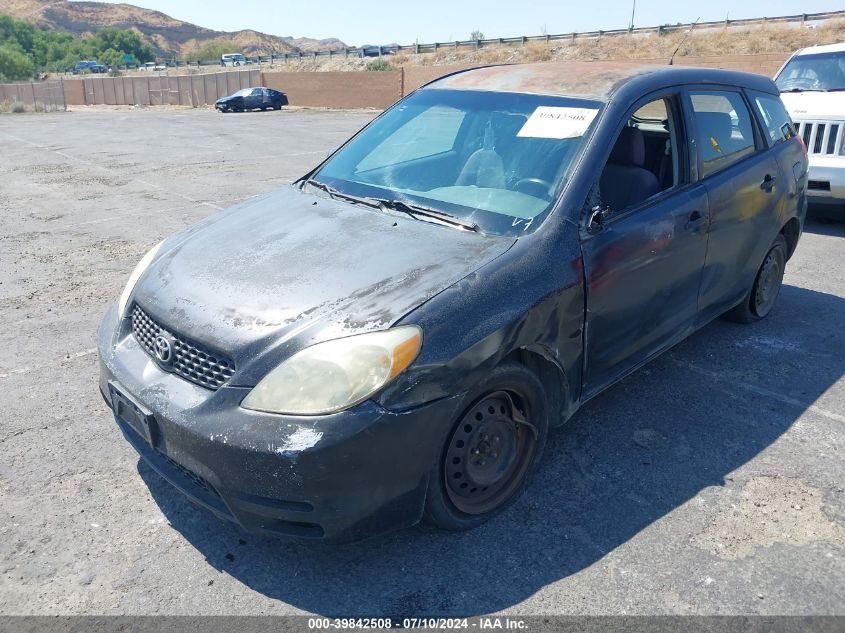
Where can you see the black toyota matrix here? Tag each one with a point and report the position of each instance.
(391, 337)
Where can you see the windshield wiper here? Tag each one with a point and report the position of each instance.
(415, 210)
(804, 90)
(412, 210)
(334, 194)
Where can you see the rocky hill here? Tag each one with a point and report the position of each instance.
(167, 35)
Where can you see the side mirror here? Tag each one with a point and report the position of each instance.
(595, 223)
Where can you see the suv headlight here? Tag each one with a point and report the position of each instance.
(145, 262)
(335, 375)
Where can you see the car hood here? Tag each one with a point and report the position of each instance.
(281, 272)
(815, 105)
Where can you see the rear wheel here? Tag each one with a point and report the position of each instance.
(764, 292)
(491, 451)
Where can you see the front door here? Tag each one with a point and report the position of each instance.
(643, 265)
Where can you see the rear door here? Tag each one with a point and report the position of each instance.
(254, 99)
(643, 266)
(744, 187)
(791, 158)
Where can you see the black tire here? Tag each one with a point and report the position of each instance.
(760, 300)
(464, 489)
(277, 107)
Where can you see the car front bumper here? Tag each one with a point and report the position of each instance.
(826, 184)
(337, 477)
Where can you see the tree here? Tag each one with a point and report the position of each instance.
(14, 64)
(476, 35)
(115, 43)
(52, 50)
(212, 51)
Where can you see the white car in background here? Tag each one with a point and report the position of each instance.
(812, 86)
(233, 59)
(153, 67)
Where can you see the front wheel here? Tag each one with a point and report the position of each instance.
(764, 292)
(491, 451)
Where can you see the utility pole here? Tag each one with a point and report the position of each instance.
(631, 25)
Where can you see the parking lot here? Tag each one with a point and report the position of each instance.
(709, 482)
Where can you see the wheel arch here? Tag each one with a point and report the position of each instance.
(791, 231)
(541, 362)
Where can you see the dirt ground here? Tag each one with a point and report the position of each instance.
(709, 482)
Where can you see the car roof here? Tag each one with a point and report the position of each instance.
(823, 48)
(592, 80)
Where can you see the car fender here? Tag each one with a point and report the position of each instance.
(529, 311)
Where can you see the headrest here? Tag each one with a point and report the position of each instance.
(629, 148)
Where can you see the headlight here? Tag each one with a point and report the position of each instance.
(335, 375)
(133, 278)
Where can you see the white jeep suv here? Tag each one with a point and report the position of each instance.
(812, 86)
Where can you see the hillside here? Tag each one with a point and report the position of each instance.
(167, 35)
(775, 39)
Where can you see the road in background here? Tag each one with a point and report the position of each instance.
(708, 482)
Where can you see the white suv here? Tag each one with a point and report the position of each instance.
(812, 86)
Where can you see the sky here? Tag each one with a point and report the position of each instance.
(406, 22)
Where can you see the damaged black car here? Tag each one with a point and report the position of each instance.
(390, 339)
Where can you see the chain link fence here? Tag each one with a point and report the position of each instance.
(43, 96)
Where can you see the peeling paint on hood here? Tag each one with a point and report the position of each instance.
(293, 264)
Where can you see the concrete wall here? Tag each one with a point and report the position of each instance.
(338, 89)
(40, 96)
(416, 76)
(321, 89)
(154, 89)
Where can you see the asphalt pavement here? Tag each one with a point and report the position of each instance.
(709, 482)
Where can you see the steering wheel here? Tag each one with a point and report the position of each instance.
(533, 186)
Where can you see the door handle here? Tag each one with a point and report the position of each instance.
(768, 183)
(696, 219)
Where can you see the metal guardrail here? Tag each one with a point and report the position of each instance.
(378, 51)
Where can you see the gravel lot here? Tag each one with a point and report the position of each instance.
(710, 482)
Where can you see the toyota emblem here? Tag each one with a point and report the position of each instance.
(163, 349)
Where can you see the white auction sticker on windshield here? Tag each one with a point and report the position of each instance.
(550, 122)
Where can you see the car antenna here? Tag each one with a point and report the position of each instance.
(692, 26)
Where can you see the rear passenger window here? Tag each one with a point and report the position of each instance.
(775, 117)
(725, 133)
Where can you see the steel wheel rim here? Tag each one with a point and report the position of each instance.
(768, 285)
(488, 455)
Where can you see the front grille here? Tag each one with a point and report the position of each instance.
(191, 360)
(822, 138)
(190, 474)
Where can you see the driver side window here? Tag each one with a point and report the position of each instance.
(645, 159)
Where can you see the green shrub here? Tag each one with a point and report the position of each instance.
(18, 107)
(379, 64)
(14, 64)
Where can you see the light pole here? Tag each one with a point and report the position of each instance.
(631, 25)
